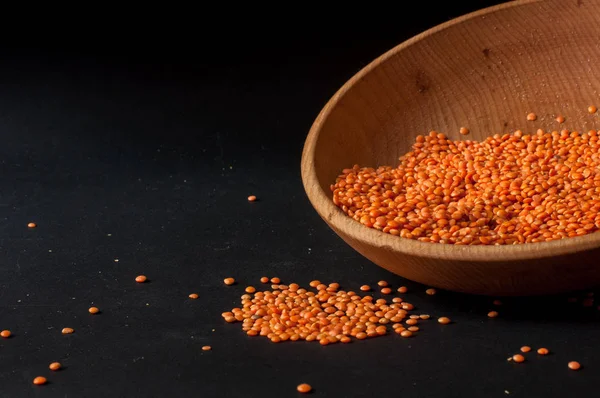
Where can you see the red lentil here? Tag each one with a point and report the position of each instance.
(543, 351)
(402, 289)
(444, 320)
(531, 117)
(5, 333)
(430, 292)
(518, 358)
(93, 310)
(314, 283)
(206, 348)
(508, 189)
(492, 314)
(411, 322)
(592, 109)
(31, 225)
(275, 280)
(327, 316)
(365, 288)
(141, 278)
(251, 198)
(38, 381)
(413, 329)
(382, 283)
(67, 331)
(193, 296)
(464, 131)
(229, 281)
(574, 365)
(424, 316)
(55, 366)
(406, 333)
(525, 348)
(250, 289)
(386, 290)
(304, 388)
(264, 279)
(560, 118)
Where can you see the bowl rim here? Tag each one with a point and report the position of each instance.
(346, 226)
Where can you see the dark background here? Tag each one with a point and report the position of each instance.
(139, 140)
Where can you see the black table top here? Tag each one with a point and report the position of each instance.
(138, 159)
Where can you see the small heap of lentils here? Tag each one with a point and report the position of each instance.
(508, 189)
(329, 315)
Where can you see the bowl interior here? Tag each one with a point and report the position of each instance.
(485, 71)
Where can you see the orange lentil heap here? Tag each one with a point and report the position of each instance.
(291, 313)
(508, 189)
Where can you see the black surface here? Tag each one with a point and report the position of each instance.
(146, 152)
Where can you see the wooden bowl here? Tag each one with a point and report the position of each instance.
(486, 70)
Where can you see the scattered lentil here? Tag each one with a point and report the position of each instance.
(518, 358)
(31, 225)
(251, 198)
(314, 283)
(264, 279)
(424, 316)
(193, 296)
(38, 381)
(464, 131)
(525, 348)
(543, 351)
(574, 365)
(365, 288)
(229, 281)
(508, 189)
(413, 329)
(67, 330)
(592, 109)
(444, 320)
(386, 290)
(402, 289)
(382, 283)
(531, 117)
(5, 333)
(275, 280)
(406, 333)
(304, 388)
(492, 314)
(55, 366)
(141, 278)
(430, 292)
(560, 118)
(95, 310)
(250, 289)
(206, 348)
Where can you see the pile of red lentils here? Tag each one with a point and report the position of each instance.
(326, 314)
(508, 189)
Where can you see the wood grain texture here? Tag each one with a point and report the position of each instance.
(486, 71)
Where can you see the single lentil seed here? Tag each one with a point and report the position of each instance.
(525, 348)
(5, 333)
(386, 290)
(543, 351)
(492, 314)
(382, 283)
(406, 333)
(193, 296)
(304, 388)
(560, 118)
(424, 316)
(463, 131)
(264, 279)
(206, 348)
(38, 381)
(518, 358)
(430, 292)
(55, 366)
(141, 278)
(574, 365)
(250, 289)
(67, 330)
(592, 109)
(93, 310)
(531, 117)
(31, 225)
(444, 320)
(365, 288)
(251, 198)
(413, 329)
(402, 289)
(411, 322)
(275, 280)
(229, 281)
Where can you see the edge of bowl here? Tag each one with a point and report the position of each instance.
(336, 219)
